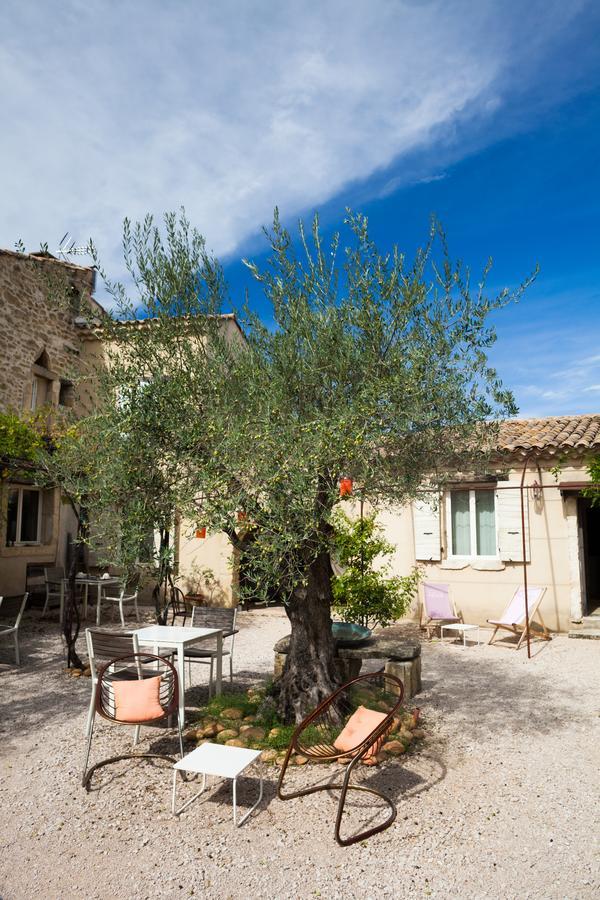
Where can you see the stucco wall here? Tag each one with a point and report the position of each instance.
(215, 553)
(481, 594)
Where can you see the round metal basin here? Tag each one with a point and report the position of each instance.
(348, 634)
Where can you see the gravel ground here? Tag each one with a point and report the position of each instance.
(501, 799)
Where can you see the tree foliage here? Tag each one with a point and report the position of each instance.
(367, 365)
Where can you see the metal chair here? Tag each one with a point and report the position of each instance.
(11, 610)
(319, 736)
(178, 606)
(102, 646)
(219, 617)
(54, 578)
(134, 667)
(121, 599)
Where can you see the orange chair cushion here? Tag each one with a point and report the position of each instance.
(138, 701)
(357, 729)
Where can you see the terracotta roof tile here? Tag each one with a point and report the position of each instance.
(553, 435)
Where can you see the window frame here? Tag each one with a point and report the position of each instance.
(20, 489)
(473, 555)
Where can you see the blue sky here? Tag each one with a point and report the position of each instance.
(486, 113)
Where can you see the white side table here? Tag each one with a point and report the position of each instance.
(224, 762)
(460, 626)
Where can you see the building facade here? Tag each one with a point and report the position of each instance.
(45, 340)
(471, 537)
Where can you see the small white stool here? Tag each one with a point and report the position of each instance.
(224, 762)
(460, 626)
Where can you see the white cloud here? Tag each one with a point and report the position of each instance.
(119, 109)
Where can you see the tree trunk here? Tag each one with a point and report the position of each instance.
(161, 606)
(310, 672)
(71, 618)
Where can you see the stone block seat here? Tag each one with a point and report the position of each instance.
(402, 657)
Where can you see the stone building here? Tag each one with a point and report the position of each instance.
(45, 308)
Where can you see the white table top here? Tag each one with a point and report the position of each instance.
(174, 635)
(459, 626)
(216, 759)
(96, 579)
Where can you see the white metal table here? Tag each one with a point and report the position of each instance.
(85, 581)
(224, 762)
(100, 583)
(460, 626)
(178, 637)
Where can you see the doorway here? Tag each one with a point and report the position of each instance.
(589, 518)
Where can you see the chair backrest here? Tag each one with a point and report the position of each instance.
(177, 604)
(136, 667)
(514, 613)
(221, 617)
(105, 645)
(376, 692)
(436, 599)
(53, 574)
(12, 608)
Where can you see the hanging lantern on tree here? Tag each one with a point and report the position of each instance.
(241, 516)
(345, 487)
(201, 532)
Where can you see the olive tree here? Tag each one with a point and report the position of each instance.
(367, 366)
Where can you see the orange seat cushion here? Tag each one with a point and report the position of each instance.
(357, 729)
(138, 701)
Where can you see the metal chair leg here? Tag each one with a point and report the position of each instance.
(85, 776)
(90, 715)
(17, 657)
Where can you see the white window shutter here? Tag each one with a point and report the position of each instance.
(426, 518)
(508, 525)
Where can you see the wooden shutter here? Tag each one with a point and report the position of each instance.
(508, 525)
(426, 518)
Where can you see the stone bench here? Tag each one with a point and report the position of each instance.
(402, 658)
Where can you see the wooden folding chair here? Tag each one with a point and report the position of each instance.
(513, 617)
(437, 609)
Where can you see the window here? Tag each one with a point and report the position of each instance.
(66, 393)
(24, 516)
(41, 386)
(472, 523)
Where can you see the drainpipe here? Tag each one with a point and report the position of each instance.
(522, 491)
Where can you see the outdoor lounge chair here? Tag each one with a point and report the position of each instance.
(145, 692)
(513, 617)
(11, 612)
(348, 726)
(437, 608)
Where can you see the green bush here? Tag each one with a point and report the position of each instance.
(363, 593)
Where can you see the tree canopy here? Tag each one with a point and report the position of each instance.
(370, 366)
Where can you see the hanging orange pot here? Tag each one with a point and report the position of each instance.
(241, 516)
(201, 532)
(345, 487)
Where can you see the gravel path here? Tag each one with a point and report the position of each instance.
(501, 800)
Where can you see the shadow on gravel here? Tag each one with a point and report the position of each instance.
(488, 695)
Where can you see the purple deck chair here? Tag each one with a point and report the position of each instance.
(437, 608)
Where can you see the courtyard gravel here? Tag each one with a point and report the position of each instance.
(500, 800)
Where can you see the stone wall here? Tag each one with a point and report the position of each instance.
(40, 300)
(35, 318)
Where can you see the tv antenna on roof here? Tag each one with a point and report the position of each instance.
(68, 247)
